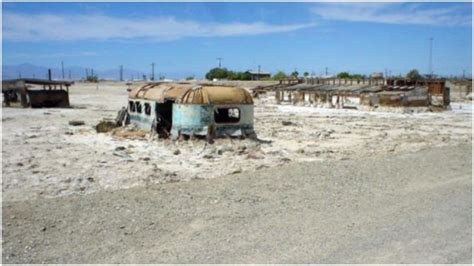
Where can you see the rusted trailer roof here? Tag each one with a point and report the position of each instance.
(159, 92)
(191, 93)
(216, 95)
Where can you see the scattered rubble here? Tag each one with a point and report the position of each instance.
(76, 123)
(105, 126)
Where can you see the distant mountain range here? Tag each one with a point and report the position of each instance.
(27, 70)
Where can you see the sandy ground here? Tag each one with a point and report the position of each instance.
(325, 185)
(403, 208)
(43, 156)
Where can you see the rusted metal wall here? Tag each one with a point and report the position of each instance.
(395, 100)
(54, 93)
(48, 98)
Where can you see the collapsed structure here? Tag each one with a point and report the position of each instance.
(36, 93)
(371, 93)
(183, 109)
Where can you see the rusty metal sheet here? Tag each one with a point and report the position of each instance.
(216, 95)
(159, 92)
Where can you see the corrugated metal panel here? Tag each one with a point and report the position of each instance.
(159, 92)
(216, 95)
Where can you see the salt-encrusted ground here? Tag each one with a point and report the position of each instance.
(43, 156)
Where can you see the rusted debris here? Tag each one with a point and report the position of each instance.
(36, 93)
(76, 123)
(129, 133)
(349, 93)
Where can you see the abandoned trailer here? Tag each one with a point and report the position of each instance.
(192, 110)
(36, 93)
(346, 93)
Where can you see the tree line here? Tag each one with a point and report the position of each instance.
(224, 73)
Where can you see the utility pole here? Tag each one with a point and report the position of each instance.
(62, 68)
(121, 72)
(87, 73)
(152, 71)
(220, 59)
(463, 74)
(431, 58)
(19, 75)
(69, 74)
(326, 71)
(258, 73)
(49, 74)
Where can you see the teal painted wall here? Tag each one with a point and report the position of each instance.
(196, 118)
(142, 120)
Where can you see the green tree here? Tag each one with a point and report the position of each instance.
(295, 74)
(92, 78)
(343, 75)
(279, 75)
(231, 75)
(414, 75)
(217, 73)
(190, 78)
(244, 75)
(306, 74)
(357, 76)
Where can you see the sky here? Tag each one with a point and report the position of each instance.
(189, 37)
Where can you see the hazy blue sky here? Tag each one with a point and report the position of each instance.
(188, 37)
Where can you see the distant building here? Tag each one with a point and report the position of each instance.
(377, 75)
(258, 75)
(327, 76)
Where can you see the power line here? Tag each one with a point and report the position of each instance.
(62, 68)
(431, 58)
(152, 71)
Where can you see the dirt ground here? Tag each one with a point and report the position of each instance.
(404, 208)
(324, 185)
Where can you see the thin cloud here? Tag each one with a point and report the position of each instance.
(53, 55)
(49, 27)
(414, 14)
